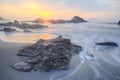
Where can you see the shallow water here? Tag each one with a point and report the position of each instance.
(104, 64)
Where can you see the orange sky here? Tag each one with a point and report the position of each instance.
(31, 9)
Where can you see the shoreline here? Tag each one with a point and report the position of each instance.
(8, 57)
(106, 64)
(94, 69)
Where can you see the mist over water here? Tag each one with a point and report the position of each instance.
(94, 62)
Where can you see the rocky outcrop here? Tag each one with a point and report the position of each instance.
(1, 19)
(107, 44)
(8, 29)
(27, 30)
(77, 19)
(57, 21)
(39, 20)
(23, 25)
(32, 26)
(53, 54)
(119, 23)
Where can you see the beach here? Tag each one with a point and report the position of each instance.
(59, 39)
(8, 57)
(103, 65)
(88, 70)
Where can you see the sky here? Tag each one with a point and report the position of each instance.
(60, 9)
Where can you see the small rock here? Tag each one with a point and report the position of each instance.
(26, 30)
(107, 44)
(22, 66)
(119, 22)
(9, 29)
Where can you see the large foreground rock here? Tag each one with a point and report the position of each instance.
(48, 55)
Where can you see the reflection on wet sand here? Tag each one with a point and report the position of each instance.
(26, 38)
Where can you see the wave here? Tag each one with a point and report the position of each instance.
(95, 62)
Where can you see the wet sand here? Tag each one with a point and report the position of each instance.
(8, 57)
(104, 67)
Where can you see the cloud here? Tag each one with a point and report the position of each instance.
(59, 8)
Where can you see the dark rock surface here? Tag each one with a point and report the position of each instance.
(15, 23)
(8, 29)
(119, 22)
(53, 54)
(32, 26)
(23, 25)
(77, 19)
(27, 30)
(107, 44)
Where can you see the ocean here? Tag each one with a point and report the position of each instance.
(104, 64)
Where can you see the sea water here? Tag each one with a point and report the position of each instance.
(94, 62)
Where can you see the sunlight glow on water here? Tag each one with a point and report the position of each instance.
(72, 31)
(25, 38)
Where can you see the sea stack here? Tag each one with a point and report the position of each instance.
(77, 19)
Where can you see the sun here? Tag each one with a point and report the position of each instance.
(46, 14)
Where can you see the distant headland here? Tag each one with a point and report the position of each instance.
(75, 19)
